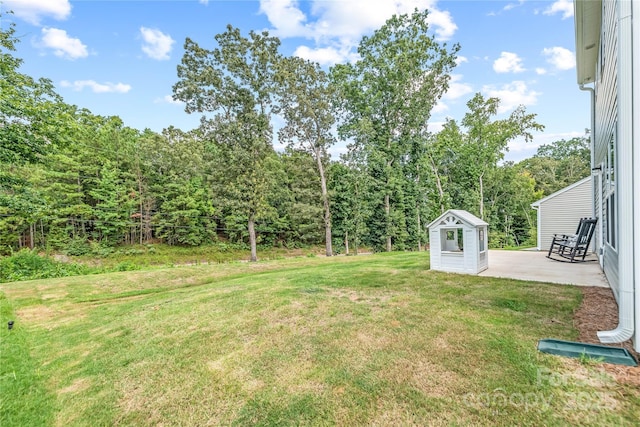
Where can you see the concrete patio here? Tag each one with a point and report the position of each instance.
(534, 265)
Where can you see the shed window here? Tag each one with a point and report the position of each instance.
(451, 239)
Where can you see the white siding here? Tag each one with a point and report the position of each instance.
(434, 251)
(561, 214)
(453, 262)
(606, 117)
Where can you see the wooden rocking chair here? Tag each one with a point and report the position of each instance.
(573, 247)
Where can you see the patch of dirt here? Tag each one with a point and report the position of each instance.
(599, 312)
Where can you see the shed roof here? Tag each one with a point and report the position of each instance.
(559, 192)
(464, 216)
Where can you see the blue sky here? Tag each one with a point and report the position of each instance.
(119, 57)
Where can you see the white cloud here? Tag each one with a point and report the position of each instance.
(513, 5)
(560, 6)
(96, 87)
(559, 57)
(337, 26)
(323, 56)
(461, 59)
(436, 127)
(63, 45)
(157, 45)
(445, 28)
(168, 99)
(512, 95)
(336, 150)
(33, 11)
(439, 108)
(204, 2)
(507, 8)
(508, 63)
(541, 71)
(286, 17)
(457, 89)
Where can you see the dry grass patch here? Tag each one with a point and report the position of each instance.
(81, 384)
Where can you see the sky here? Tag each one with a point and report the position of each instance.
(119, 57)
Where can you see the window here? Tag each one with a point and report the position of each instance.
(610, 201)
(481, 243)
(451, 239)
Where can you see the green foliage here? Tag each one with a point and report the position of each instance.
(351, 212)
(33, 118)
(509, 193)
(235, 81)
(223, 182)
(78, 246)
(485, 142)
(559, 164)
(306, 97)
(28, 265)
(126, 266)
(386, 98)
(186, 214)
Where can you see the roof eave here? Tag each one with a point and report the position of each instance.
(588, 17)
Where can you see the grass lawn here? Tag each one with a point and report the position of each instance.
(369, 340)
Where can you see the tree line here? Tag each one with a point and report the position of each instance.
(74, 181)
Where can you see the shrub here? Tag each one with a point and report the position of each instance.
(28, 265)
(126, 266)
(77, 246)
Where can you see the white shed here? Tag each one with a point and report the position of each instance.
(560, 212)
(458, 243)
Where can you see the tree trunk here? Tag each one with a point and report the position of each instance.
(141, 199)
(419, 226)
(32, 228)
(481, 197)
(387, 211)
(146, 214)
(434, 169)
(141, 221)
(252, 237)
(346, 243)
(356, 243)
(325, 202)
(387, 198)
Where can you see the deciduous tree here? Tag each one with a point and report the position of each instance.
(306, 94)
(388, 95)
(487, 138)
(234, 82)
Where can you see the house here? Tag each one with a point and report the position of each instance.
(458, 242)
(609, 64)
(560, 212)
